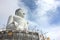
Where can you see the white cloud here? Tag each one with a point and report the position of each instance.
(44, 6)
(41, 12)
(54, 33)
(43, 19)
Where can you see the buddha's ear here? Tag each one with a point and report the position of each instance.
(23, 13)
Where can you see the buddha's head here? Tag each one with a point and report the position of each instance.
(19, 12)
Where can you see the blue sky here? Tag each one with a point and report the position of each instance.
(30, 3)
(56, 18)
(45, 14)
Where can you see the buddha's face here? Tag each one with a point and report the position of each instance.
(20, 13)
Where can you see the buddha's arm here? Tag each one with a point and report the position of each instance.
(26, 25)
(10, 20)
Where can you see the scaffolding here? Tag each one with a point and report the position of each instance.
(18, 35)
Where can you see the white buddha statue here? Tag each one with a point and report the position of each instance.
(17, 22)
